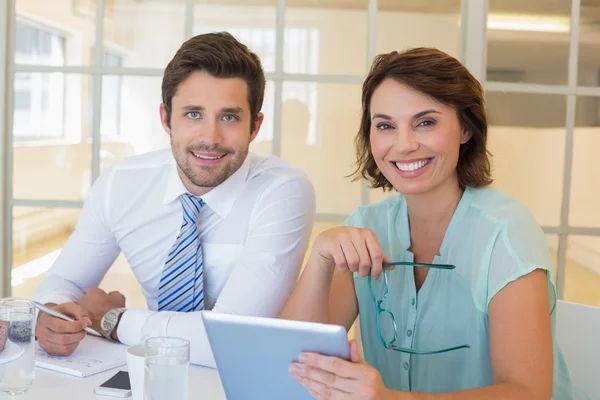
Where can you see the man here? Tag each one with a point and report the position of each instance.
(204, 225)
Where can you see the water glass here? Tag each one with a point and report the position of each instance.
(17, 345)
(167, 364)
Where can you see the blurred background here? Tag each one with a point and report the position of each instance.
(83, 91)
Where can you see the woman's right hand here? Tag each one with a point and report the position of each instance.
(351, 249)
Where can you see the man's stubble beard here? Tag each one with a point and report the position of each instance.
(223, 172)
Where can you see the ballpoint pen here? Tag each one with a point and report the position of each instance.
(56, 314)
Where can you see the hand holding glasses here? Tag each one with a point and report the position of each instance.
(357, 250)
(384, 313)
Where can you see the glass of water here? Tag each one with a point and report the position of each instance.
(167, 364)
(17, 345)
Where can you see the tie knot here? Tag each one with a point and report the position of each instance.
(191, 206)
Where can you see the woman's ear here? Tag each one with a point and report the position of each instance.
(465, 136)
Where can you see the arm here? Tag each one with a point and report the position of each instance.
(261, 280)
(323, 295)
(325, 292)
(520, 346)
(83, 261)
(86, 256)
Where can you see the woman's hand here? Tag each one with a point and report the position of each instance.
(351, 249)
(331, 378)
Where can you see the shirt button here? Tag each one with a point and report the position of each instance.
(412, 303)
(406, 366)
(409, 333)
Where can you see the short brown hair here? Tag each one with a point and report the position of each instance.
(222, 56)
(444, 78)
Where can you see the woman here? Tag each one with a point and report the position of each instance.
(466, 307)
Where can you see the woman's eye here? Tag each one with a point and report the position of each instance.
(383, 126)
(427, 122)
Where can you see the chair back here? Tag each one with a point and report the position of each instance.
(578, 335)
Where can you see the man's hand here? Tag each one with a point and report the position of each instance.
(98, 303)
(59, 337)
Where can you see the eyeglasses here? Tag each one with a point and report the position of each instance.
(385, 314)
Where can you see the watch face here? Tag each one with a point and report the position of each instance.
(109, 320)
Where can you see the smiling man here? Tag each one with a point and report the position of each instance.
(204, 226)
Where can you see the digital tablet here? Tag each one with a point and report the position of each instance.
(253, 354)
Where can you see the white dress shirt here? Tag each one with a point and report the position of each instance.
(254, 231)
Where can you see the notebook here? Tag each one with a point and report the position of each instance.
(92, 356)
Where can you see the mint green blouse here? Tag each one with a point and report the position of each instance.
(492, 240)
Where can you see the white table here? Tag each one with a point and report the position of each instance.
(204, 383)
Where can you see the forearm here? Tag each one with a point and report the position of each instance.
(310, 299)
(513, 391)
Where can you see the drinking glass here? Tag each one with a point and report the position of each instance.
(17, 345)
(167, 364)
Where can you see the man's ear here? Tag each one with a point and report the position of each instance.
(164, 119)
(260, 117)
(465, 136)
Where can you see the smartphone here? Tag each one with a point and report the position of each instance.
(117, 386)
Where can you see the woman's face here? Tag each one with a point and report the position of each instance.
(415, 140)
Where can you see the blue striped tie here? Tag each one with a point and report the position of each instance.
(181, 287)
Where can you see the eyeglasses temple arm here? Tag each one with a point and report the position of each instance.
(409, 264)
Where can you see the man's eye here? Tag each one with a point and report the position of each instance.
(229, 118)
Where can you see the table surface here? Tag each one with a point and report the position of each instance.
(204, 383)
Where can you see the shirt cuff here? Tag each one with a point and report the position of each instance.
(131, 324)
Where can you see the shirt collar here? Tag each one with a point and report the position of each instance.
(220, 199)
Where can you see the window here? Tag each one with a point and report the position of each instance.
(302, 58)
(39, 98)
(112, 86)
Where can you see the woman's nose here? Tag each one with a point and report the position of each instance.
(406, 140)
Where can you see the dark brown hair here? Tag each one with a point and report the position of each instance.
(219, 55)
(442, 77)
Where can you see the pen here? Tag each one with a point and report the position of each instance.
(62, 316)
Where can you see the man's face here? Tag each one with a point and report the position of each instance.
(210, 129)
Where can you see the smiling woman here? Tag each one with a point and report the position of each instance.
(423, 133)
(391, 86)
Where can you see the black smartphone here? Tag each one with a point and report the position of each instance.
(117, 386)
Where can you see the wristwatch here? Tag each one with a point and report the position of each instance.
(109, 322)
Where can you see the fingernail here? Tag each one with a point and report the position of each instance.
(303, 358)
(293, 368)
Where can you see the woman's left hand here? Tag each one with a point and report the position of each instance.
(330, 378)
